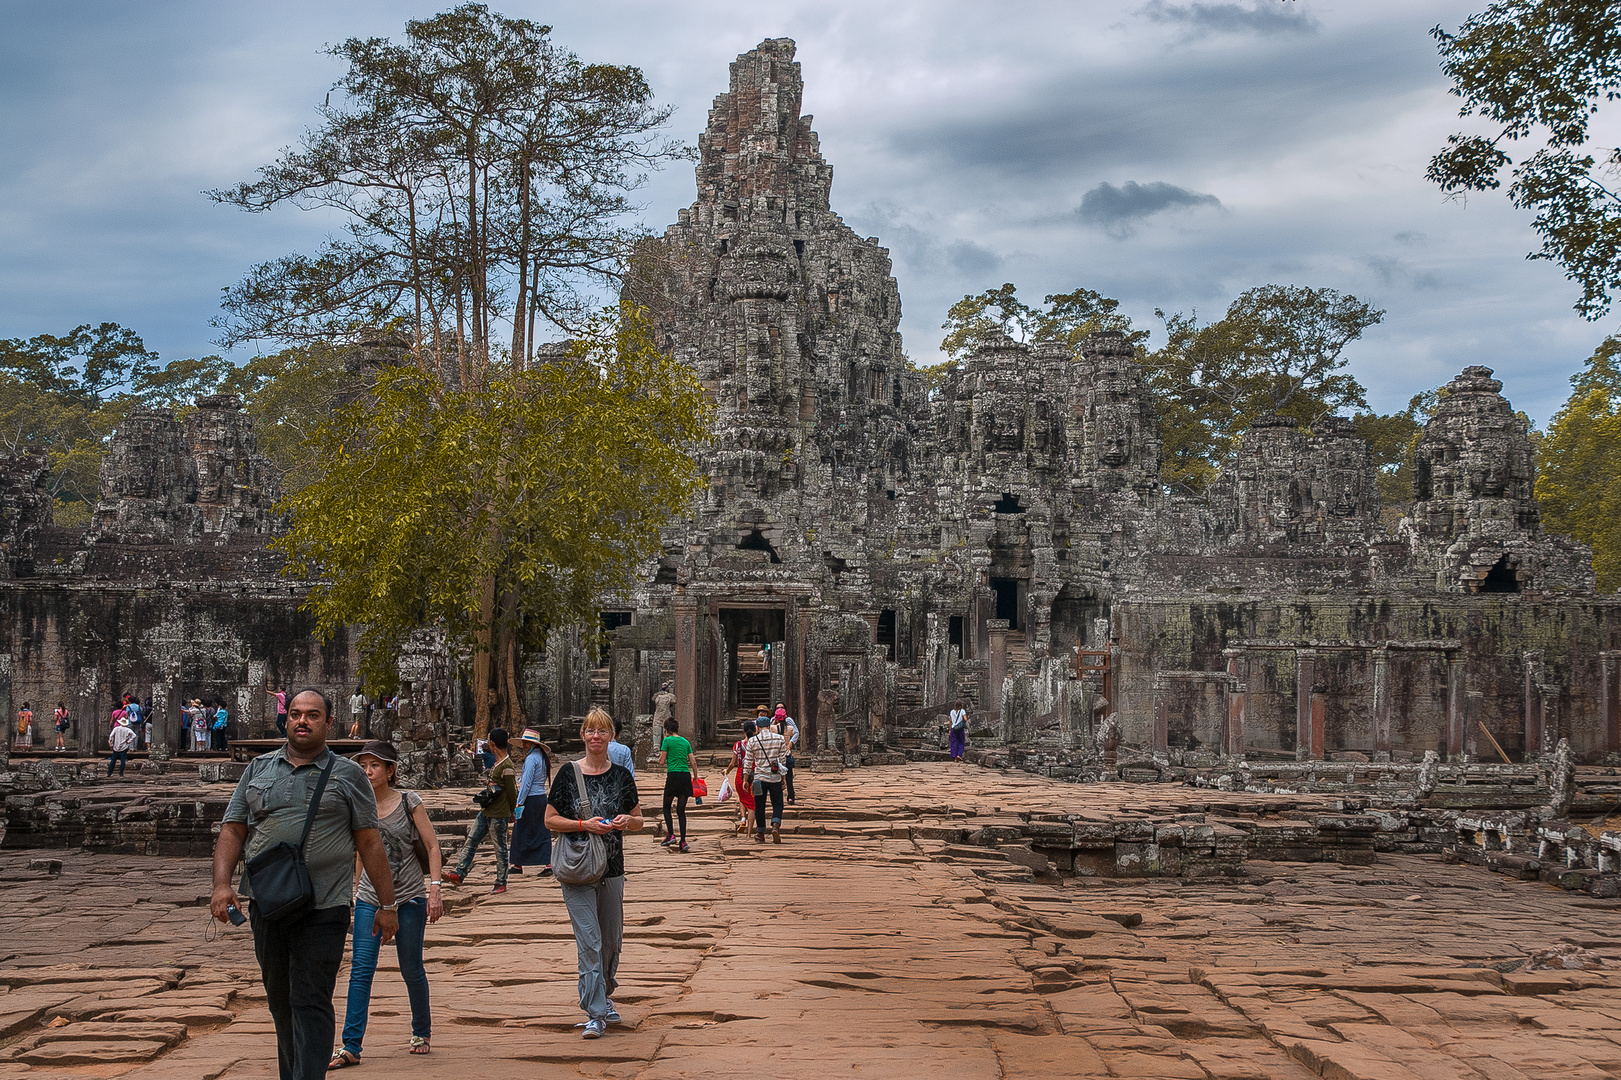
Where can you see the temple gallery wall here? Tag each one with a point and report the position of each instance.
(867, 551)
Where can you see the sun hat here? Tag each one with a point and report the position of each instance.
(530, 735)
(380, 749)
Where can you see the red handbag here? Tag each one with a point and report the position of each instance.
(699, 787)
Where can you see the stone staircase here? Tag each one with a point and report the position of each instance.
(1018, 653)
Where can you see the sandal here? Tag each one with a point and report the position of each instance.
(343, 1059)
(419, 1044)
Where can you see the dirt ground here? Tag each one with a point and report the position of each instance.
(855, 949)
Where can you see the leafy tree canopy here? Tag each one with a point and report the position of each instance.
(1067, 317)
(483, 173)
(63, 395)
(1578, 482)
(1279, 349)
(1539, 71)
(501, 513)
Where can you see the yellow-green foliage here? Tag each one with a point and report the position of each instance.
(550, 485)
(1579, 479)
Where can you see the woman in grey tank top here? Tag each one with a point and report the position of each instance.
(400, 815)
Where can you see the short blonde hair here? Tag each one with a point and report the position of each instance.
(597, 719)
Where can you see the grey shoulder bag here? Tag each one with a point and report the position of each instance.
(278, 877)
(580, 858)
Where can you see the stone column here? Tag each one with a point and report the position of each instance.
(9, 714)
(624, 690)
(997, 632)
(1162, 717)
(1609, 666)
(1533, 707)
(1237, 688)
(1319, 726)
(802, 693)
(1455, 706)
(686, 663)
(1381, 703)
(1548, 709)
(1474, 707)
(1305, 675)
(262, 718)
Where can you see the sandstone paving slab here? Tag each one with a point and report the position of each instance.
(865, 957)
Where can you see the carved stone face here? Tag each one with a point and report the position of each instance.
(1112, 437)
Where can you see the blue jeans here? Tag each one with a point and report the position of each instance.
(363, 964)
(119, 758)
(497, 829)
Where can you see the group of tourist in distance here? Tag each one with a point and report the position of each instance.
(373, 860)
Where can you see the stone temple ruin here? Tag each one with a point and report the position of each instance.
(869, 550)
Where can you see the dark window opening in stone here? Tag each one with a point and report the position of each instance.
(743, 633)
(889, 493)
(756, 541)
(1007, 504)
(666, 574)
(886, 631)
(799, 248)
(954, 634)
(1501, 578)
(1075, 609)
(897, 393)
(834, 563)
(613, 620)
(1007, 601)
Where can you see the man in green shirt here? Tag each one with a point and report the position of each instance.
(495, 818)
(299, 955)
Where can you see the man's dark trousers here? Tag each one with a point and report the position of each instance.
(298, 961)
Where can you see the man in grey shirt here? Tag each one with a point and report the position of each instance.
(299, 956)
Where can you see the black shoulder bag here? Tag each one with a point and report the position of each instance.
(278, 877)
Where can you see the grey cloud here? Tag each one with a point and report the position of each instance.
(1114, 209)
(1266, 17)
(917, 249)
(1394, 271)
(971, 258)
(1216, 107)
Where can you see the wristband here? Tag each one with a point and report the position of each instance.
(390, 907)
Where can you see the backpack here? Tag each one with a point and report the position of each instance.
(219, 720)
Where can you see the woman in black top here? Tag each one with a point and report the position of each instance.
(597, 910)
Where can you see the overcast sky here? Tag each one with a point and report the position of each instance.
(1170, 154)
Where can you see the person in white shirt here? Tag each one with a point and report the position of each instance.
(122, 741)
(764, 764)
(959, 730)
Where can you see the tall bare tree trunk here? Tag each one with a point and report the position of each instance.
(481, 659)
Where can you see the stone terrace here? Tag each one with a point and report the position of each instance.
(874, 942)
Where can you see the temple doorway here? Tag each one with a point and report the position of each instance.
(753, 640)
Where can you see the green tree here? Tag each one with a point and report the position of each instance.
(63, 396)
(1391, 439)
(1539, 70)
(288, 395)
(484, 174)
(1278, 349)
(544, 489)
(1578, 480)
(1068, 317)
